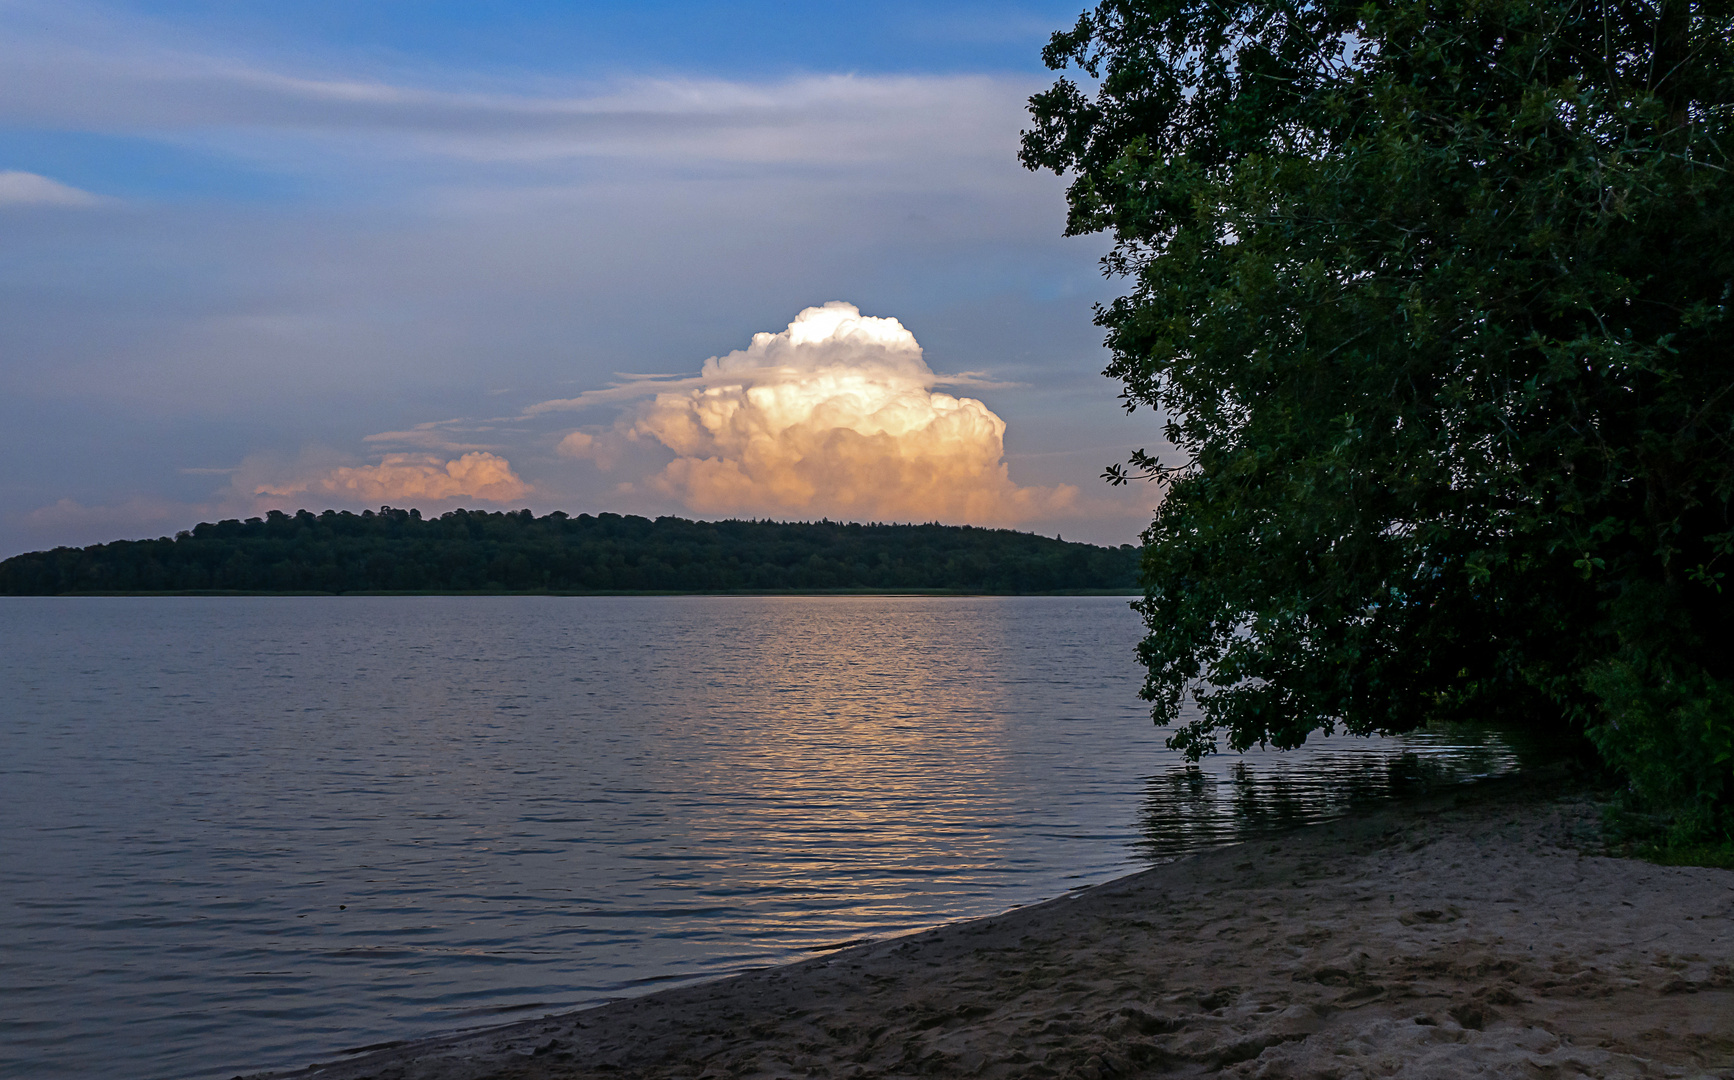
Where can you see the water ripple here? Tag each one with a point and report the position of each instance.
(243, 833)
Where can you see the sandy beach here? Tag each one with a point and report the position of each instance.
(1467, 933)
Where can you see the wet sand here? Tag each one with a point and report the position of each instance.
(1463, 934)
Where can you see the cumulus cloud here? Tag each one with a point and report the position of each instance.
(407, 478)
(29, 189)
(835, 416)
(578, 444)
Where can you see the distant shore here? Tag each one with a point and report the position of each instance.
(465, 551)
(1463, 933)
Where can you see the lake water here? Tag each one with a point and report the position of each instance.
(240, 833)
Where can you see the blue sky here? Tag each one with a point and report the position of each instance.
(253, 248)
(592, 40)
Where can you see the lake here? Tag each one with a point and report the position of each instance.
(251, 832)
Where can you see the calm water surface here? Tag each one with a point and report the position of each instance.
(240, 833)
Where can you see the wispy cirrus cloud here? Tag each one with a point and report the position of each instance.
(18, 188)
(630, 387)
(446, 435)
(89, 70)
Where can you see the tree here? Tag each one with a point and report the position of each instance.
(1434, 300)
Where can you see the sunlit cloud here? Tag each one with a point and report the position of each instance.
(406, 478)
(578, 444)
(835, 416)
(29, 189)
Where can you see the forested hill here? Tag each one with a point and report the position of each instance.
(470, 551)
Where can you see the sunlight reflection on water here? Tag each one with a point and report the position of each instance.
(245, 832)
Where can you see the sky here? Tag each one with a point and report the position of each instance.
(743, 260)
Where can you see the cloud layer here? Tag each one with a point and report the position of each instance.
(85, 71)
(835, 416)
(406, 478)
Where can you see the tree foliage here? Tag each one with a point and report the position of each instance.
(1434, 300)
(473, 551)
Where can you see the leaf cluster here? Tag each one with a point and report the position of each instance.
(1433, 298)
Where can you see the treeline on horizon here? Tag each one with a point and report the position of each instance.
(397, 550)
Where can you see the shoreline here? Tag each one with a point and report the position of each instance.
(1460, 932)
(617, 592)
